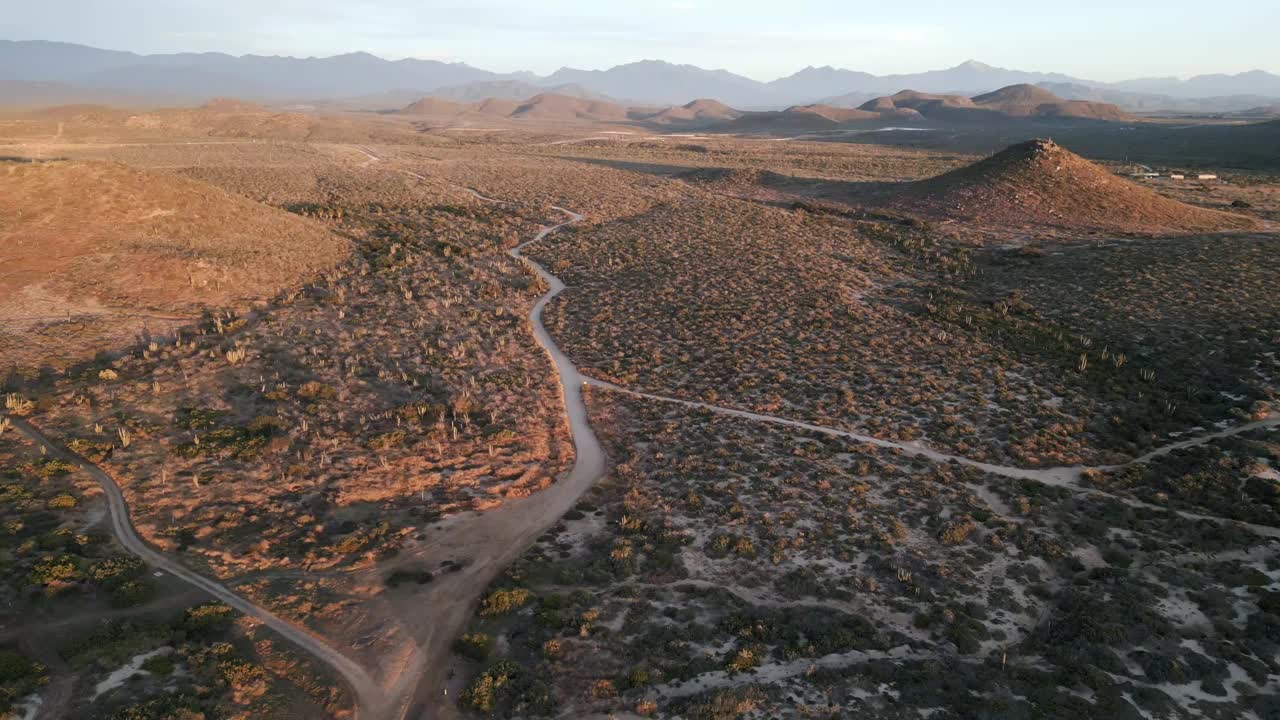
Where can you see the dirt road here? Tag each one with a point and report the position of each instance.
(1064, 477)
(489, 542)
(370, 701)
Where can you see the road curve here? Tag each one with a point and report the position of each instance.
(370, 702)
(496, 538)
(1065, 477)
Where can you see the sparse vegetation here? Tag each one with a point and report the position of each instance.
(357, 426)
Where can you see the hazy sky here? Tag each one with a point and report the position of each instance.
(1096, 39)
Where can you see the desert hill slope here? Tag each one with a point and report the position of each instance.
(434, 106)
(218, 118)
(546, 107)
(834, 114)
(702, 110)
(1040, 183)
(1012, 102)
(1032, 101)
(551, 106)
(510, 90)
(97, 251)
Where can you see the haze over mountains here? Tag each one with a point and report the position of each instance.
(52, 69)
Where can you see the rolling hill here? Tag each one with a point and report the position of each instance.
(1012, 102)
(511, 90)
(698, 111)
(219, 118)
(1039, 184)
(103, 250)
(1033, 101)
(544, 107)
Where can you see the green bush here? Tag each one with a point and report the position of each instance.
(507, 688)
(207, 619)
(56, 569)
(19, 677)
(501, 602)
(474, 646)
(161, 665)
(116, 570)
(132, 593)
(62, 501)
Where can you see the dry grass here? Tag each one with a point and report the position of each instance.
(96, 252)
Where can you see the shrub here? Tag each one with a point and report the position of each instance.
(15, 666)
(46, 468)
(62, 501)
(56, 569)
(207, 619)
(501, 602)
(386, 441)
(159, 664)
(745, 659)
(399, 577)
(132, 593)
(316, 391)
(506, 683)
(19, 676)
(958, 531)
(474, 646)
(116, 570)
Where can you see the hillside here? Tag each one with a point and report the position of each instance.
(912, 105)
(510, 90)
(544, 107)
(498, 106)
(1032, 101)
(218, 118)
(98, 251)
(433, 106)
(834, 114)
(550, 106)
(703, 110)
(1012, 102)
(1041, 184)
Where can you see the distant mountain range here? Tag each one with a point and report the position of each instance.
(53, 69)
(1009, 106)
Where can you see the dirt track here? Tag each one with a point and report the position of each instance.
(493, 540)
(369, 698)
(1065, 477)
(489, 542)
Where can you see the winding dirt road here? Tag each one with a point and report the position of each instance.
(369, 698)
(1064, 477)
(491, 541)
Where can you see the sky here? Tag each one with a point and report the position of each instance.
(1103, 40)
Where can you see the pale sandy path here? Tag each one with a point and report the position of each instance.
(1064, 477)
(494, 539)
(370, 702)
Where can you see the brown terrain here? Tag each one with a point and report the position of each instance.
(98, 253)
(543, 107)
(223, 119)
(1032, 101)
(548, 408)
(1039, 184)
(1015, 101)
(709, 111)
(1014, 104)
